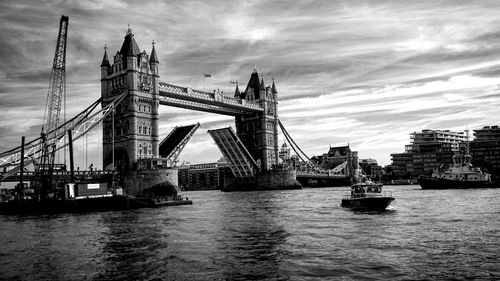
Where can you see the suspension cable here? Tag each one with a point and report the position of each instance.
(287, 135)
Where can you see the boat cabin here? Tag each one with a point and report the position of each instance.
(365, 190)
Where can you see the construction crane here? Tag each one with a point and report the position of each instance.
(57, 88)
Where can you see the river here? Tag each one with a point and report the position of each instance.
(273, 235)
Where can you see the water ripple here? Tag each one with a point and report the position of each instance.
(277, 235)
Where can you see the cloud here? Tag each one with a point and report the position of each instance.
(360, 72)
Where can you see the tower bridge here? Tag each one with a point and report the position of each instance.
(131, 93)
(132, 135)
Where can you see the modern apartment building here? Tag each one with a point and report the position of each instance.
(428, 150)
(485, 149)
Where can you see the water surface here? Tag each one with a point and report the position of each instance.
(274, 235)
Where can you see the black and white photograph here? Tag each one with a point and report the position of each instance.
(250, 140)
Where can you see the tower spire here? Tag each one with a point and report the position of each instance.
(273, 88)
(129, 29)
(153, 58)
(105, 61)
(237, 93)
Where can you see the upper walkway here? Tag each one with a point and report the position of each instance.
(188, 98)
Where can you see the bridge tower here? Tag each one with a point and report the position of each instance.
(136, 118)
(259, 131)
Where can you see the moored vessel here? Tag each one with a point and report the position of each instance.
(89, 197)
(460, 175)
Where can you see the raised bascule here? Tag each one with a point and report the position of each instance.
(131, 136)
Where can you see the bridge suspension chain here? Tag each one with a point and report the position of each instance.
(336, 170)
(293, 144)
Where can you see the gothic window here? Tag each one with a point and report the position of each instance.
(149, 130)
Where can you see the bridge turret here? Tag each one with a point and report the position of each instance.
(155, 103)
(262, 89)
(105, 65)
(252, 92)
(274, 92)
(105, 71)
(274, 105)
(130, 51)
(153, 60)
(237, 93)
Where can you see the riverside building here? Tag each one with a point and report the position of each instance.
(485, 149)
(203, 176)
(428, 150)
(337, 155)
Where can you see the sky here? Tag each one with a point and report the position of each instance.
(363, 73)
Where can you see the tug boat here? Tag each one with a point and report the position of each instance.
(367, 195)
(460, 175)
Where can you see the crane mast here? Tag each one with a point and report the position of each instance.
(57, 87)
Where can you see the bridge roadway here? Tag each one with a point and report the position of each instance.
(185, 97)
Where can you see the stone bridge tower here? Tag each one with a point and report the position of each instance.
(259, 131)
(136, 118)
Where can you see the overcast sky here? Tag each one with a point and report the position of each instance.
(365, 73)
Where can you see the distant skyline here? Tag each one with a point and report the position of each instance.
(363, 73)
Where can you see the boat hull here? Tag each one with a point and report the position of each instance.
(438, 183)
(368, 203)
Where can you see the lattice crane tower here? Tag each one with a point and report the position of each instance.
(54, 98)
